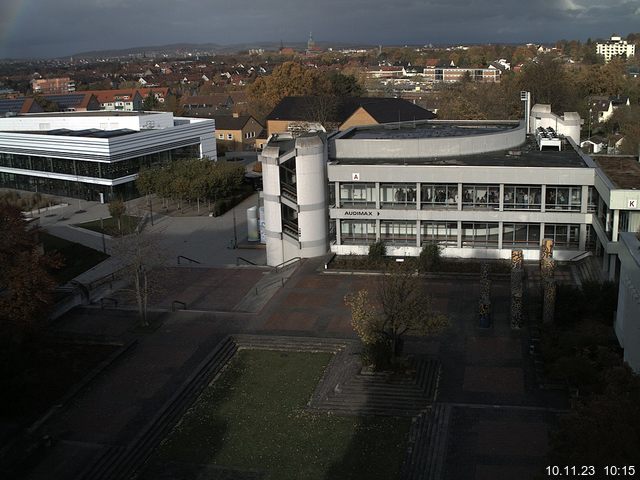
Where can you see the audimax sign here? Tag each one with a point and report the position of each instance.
(361, 213)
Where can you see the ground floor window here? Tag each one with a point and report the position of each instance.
(480, 235)
(442, 233)
(521, 235)
(66, 188)
(563, 236)
(357, 232)
(398, 232)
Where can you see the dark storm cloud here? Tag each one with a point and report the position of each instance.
(62, 27)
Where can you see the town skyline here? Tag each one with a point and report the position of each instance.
(37, 29)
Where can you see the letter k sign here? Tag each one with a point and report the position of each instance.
(632, 203)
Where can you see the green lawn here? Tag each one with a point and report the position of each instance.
(253, 418)
(77, 258)
(109, 225)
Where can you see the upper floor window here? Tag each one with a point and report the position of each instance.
(481, 196)
(522, 197)
(563, 198)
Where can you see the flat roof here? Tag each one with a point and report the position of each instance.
(91, 113)
(89, 132)
(526, 155)
(427, 129)
(624, 172)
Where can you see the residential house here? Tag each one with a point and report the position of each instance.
(297, 114)
(125, 100)
(237, 133)
(601, 108)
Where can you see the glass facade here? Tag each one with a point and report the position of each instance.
(521, 235)
(522, 197)
(357, 232)
(358, 195)
(398, 232)
(83, 168)
(564, 236)
(439, 195)
(398, 195)
(481, 196)
(480, 235)
(563, 198)
(442, 233)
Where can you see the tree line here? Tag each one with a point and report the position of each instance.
(192, 180)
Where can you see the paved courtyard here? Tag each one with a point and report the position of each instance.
(499, 418)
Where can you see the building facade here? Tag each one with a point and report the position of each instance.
(95, 155)
(615, 47)
(477, 189)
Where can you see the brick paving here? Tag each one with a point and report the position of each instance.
(481, 368)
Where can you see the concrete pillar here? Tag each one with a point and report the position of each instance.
(584, 199)
(418, 236)
(501, 206)
(616, 224)
(543, 198)
(582, 240)
(338, 232)
(417, 196)
(459, 240)
(459, 197)
(500, 235)
(377, 230)
(376, 193)
(612, 267)
(337, 194)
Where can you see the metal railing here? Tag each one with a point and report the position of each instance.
(581, 256)
(113, 302)
(285, 264)
(190, 260)
(239, 259)
(178, 303)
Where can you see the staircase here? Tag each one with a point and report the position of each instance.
(587, 270)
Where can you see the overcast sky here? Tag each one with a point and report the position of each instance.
(46, 28)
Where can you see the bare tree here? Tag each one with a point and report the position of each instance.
(143, 256)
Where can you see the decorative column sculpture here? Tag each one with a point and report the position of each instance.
(517, 273)
(484, 306)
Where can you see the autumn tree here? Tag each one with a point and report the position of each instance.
(117, 208)
(548, 83)
(26, 284)
(288, 79)
(401, 306)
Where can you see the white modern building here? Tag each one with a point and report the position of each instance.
(615, 47)
(476, 188)
(95, 155)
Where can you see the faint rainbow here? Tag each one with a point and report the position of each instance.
(9, 18)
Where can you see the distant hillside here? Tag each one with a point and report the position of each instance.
(180, 48)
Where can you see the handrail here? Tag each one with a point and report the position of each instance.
(580, 256)
(244, 260)
(178, 302)
(286, 263)
(191, 260)
(280, 280)
(109, 277)
(112, 300)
